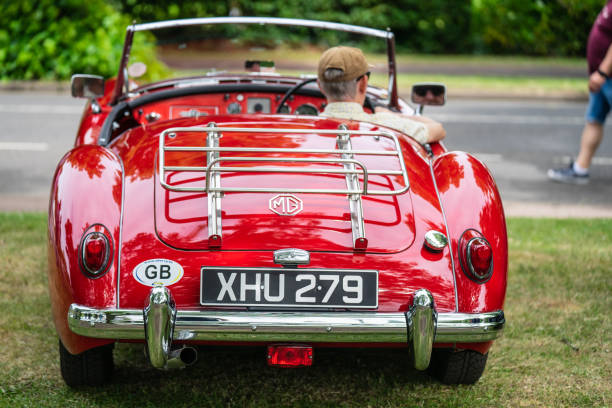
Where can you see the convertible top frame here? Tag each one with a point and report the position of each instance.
(388, 35)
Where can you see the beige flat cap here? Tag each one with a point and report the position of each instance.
(348, 59)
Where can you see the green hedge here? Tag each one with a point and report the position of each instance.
(539, 27)
(51, 39)
(430, 27)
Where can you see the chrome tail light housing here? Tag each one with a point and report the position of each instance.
(475, 256)
(95, 251)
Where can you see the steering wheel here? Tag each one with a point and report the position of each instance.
(366, 104)
(291, 91)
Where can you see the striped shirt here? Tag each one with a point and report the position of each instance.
(354, 111)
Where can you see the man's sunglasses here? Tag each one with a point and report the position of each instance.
(434, 90)
(361, 76)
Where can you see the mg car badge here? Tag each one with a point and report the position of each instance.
(286, 204)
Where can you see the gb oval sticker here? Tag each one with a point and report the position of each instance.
(158, 272)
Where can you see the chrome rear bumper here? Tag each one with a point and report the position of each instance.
(420, 327)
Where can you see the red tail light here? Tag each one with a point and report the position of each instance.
(480, 255)
(95, 254)
(289, 355)
(475, 256)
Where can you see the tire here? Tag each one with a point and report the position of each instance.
(93, 367)
(457, 367)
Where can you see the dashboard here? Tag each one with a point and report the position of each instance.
(228, 103)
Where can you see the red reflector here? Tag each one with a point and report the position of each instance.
(289, 355)
(480, 256)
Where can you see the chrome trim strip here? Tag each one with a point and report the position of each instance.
(343, 141)
(262, 20)
(120, 243)
(344, 327)
(448, 236)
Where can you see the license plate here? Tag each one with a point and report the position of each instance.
(285, 287)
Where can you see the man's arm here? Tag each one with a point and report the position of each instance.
(435, 130)
(596, 80)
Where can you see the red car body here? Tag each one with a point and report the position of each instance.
(115, 184)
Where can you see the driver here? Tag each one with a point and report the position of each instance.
(343, 75)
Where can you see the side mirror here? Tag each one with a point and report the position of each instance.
(428, 93)
(87, 86)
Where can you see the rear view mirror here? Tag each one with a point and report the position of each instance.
(430, 93)
(87, 86)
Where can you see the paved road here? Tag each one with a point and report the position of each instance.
(517, 140)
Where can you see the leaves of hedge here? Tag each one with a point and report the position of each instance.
(540, 27)
(433, 26)
(51, 39)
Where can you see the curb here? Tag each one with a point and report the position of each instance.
(35, 86)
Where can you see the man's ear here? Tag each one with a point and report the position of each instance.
(362, 85)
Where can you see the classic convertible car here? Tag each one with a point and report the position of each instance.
(222, 208)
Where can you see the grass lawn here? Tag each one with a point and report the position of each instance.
(555, 350)
(494, 86)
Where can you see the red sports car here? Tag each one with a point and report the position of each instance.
(212, 207)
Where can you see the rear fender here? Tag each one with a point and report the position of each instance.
(86, 194)
(470, 199)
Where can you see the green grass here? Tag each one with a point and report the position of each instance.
(507, 86)
(311, 56)
(555, 350)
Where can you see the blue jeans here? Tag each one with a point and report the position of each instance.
(599, 104)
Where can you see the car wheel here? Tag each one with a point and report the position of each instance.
(457, 367)
(92, 367)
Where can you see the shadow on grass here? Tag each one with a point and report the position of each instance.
(238, 376)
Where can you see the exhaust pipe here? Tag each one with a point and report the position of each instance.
(159, 319)
(182, 357)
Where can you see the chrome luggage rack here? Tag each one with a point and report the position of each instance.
(352, 169)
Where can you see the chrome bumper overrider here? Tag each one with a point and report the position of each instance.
(160, 323)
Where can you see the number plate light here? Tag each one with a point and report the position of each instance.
(289, 355)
